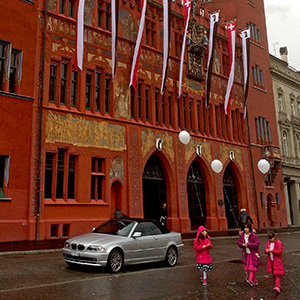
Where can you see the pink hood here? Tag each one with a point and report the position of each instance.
(200, 229)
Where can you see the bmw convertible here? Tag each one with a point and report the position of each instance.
(119, 242)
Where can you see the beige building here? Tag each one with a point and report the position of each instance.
(286, 89)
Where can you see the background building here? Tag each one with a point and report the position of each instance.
(96, 144)
(286, 88)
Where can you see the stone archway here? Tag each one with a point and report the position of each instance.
(196, 197)
(230, 199)
(154, 188)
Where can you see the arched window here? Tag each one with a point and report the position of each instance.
(285, 143)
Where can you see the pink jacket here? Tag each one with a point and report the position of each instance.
(277, 259)
(202, 255)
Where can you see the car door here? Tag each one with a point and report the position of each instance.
(146, 245)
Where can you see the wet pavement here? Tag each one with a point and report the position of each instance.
(45, 276)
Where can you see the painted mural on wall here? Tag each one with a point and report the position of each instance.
(84, 133)
(149, 139)
(117, 169)
(128, 27)
(191, 149)
(122, 105)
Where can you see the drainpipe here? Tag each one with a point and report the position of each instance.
(40, 132)
(252, 168)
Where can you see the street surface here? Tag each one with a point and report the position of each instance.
(45, 276)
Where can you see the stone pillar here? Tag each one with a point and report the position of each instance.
(287, 204)
(295, 196)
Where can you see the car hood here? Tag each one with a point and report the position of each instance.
(96, 239)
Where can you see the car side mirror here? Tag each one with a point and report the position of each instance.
(137, 234)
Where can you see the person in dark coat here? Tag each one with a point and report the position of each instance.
(244, 219)
(118, 214)
(249, 243)
(163, 215)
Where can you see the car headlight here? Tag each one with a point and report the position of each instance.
(67, 244)
(96, 248)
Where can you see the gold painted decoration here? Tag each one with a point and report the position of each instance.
(190, 149)
(237, 155)
(147, 141)
(84, 133)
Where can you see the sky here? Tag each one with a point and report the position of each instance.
(283, 28)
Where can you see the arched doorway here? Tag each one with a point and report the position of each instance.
(116, 196)
(196, 197)
(154, 188)
(230, 199)
(271, 211)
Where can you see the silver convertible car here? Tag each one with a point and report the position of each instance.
(119, 242)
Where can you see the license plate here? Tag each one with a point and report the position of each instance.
(74, 254)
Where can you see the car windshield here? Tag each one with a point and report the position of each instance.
(115, 227)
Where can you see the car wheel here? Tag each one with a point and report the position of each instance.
(115, 261)
(171, 257)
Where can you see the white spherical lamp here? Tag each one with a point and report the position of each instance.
(263, 166)
(184, 137)
(217, 166)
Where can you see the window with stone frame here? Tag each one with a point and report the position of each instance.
(297, 144)
(258, 78)
(150, 33)
(60, 175)
(285, 143)
(298, 106)
(280, 101)
(97, 178)
(4, 175)
(3, 59)
(255, 33)
(293, 111)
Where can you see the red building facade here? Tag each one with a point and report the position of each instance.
(96, 144)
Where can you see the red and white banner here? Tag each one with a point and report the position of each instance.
(114, 34)
(138, 46)
(79, 36)
(186, 15)
(231, 50)
(246, 63)
(214, 19)
(166, 42)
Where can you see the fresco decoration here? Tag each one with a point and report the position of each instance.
(88, 11)
(128, 27)
(135, 173)
(122, 98)
(149, 139)
(117, 169)
(190, 149)
(52, 5)
(84, 133)
(237, 155)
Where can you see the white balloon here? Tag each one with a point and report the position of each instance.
(263, 166)
(184, 137)
(217, 166)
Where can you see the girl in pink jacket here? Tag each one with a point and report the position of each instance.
(202, 244)
(274, 249)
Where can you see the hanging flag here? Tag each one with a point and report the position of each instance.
(138, 46)
(186, 15)
(246, 63)
(166, 42)
(114, 34)
(79, 36)
(231, 50)
(214, 19)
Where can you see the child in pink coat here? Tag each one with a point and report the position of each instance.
(274, 249)
(249, 243)
(202, 244)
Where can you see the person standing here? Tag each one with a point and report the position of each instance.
(249, 243)
(274, 250)
(244, 218)
(164, 215)
(202, 244)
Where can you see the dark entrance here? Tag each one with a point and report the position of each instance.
(196, 197)
(230, 199)
(154, 188)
